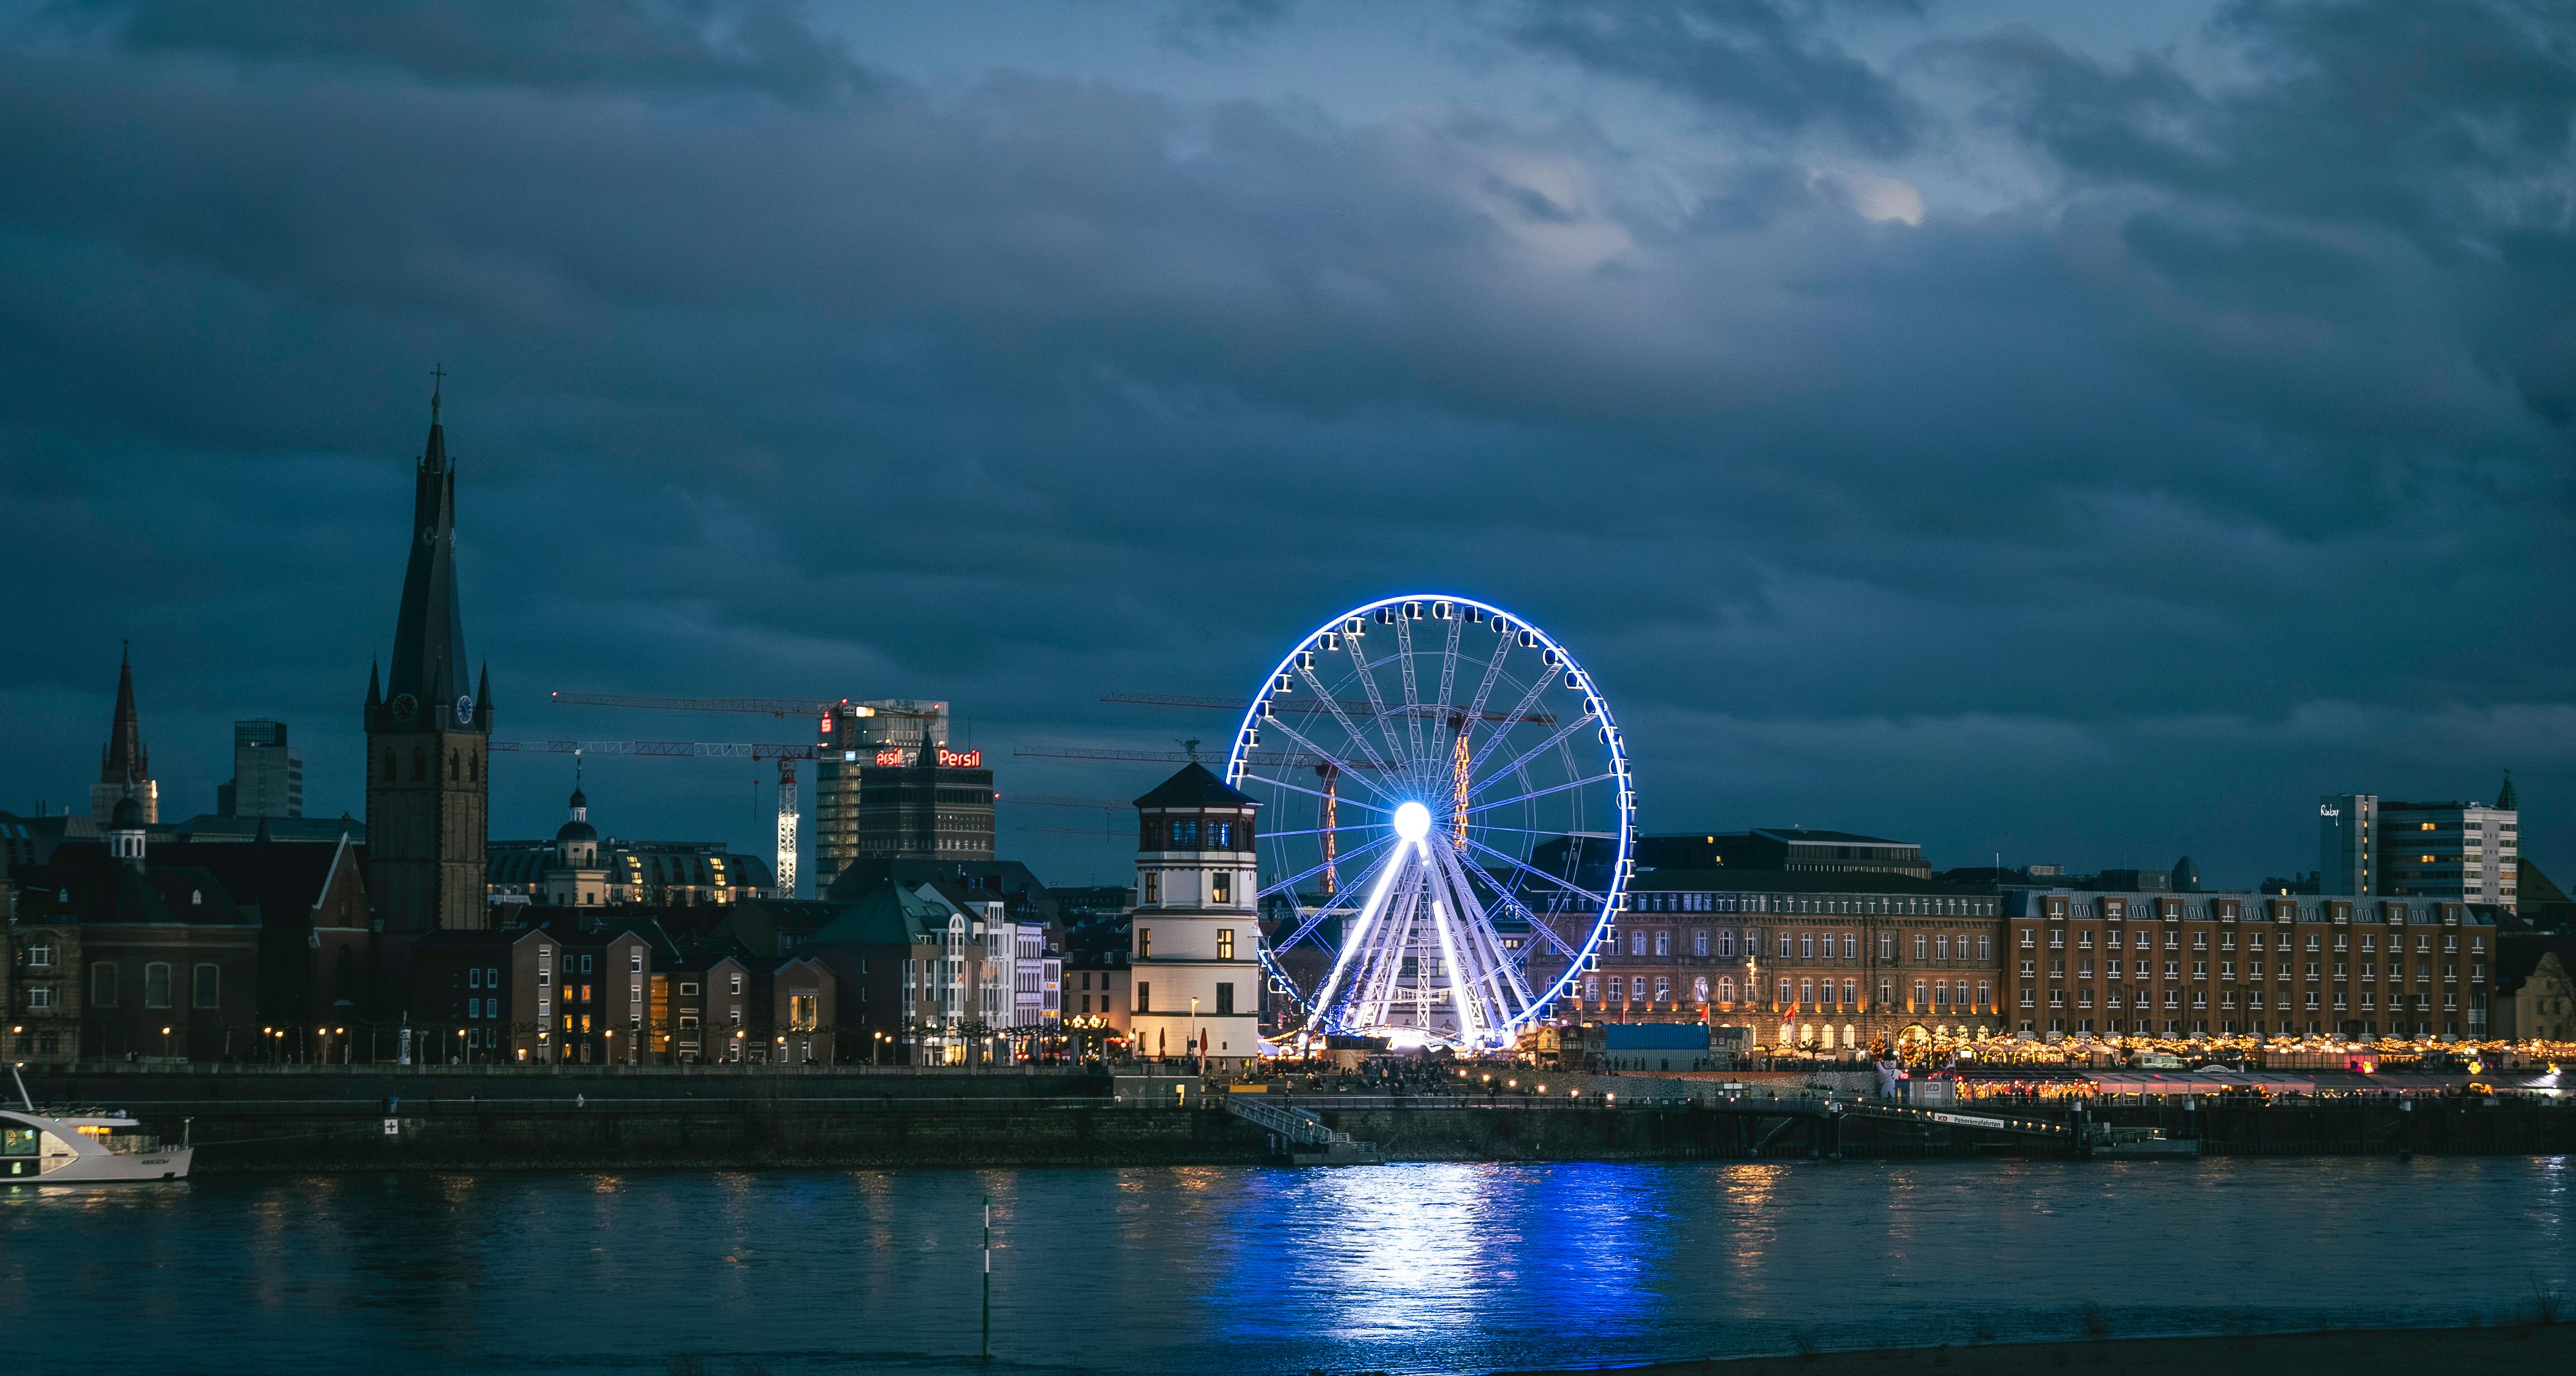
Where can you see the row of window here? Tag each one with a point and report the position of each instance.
(1657, 901)
(2253, 1000)
(1721, 942)
(1145, 998)
(1938, 995)
(205, 987)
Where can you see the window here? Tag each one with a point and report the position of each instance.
(585, 965)
(474, 978)
(1663, 989)
(207, 988)
(1144, 997)
(1788, 945)
(40, 957)
(102, 985)
(1807, 945)
(1986, 946)
(1225, 997)
(1922, 947)
(1726, 988)
(1785, 988)
(1592, 988)
(1225, 945)
(156, 985)
(1699, 989)
(736, 983)
(1806, 993)
(40, 996)
(1922, 992)
(1663, 943)
(1153, 887)
(1941, 950)
(1886, 993)
(1145, 942)
(688, 987)
(1985, 994)
(1637, 989)
(1185, 835)
(1699, 947)
(1221, 886)
(1887, 945)
(1726, 945)
(1636, 943)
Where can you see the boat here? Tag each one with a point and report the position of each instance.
(101, 1148)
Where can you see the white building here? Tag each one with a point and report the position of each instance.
(1196, 970)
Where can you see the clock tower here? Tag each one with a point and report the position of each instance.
(429, 733)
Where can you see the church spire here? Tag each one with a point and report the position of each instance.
(124, 760)
(427, 677)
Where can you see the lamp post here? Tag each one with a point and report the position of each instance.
(1198, 1034)
(165, 1043)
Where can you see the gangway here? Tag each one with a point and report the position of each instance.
(1308, 1139)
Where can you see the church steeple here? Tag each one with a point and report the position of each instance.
(428, 729)
(427, 679)
(124, 766)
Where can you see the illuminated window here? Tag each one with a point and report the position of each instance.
(1225, 943)
(1221, 887)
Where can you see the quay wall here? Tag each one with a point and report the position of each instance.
(576, 1119)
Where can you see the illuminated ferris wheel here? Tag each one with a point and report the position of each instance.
(1446, 824)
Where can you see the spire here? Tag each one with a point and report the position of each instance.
(2505, 798)
(375, 693)
(483, 691)
(124, 760)
(429, 632)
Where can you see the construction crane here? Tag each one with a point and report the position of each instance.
(789, 814)
(1287, 704)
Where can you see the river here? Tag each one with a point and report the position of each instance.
(1404, 1268)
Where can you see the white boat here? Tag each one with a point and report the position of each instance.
(81, 1148)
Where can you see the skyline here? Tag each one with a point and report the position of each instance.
(2090, 440)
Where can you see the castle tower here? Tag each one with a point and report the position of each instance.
(1196, 971)
(428, 734)
(576, 878)
(124, 767)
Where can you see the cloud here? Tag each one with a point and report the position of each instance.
(1865, 495)
(1756, 60)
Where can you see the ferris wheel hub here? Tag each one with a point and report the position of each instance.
(1412, 821)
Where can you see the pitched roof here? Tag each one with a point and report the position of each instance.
(1194, 786)
(890, 915)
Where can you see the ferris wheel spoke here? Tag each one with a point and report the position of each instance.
(1377, 700)
(1412, 692)
(1491, 971)
(1355, 942)
(1503, 729)
(1334, 706)
(1289, 884)
(1346, 768)
(1326, 912)
(1540, 793)
(1541, 875)
(1533, 753)
(1314, 793)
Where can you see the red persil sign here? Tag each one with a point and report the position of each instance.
(948, 759)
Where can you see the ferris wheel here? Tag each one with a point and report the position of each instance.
(1447, 818)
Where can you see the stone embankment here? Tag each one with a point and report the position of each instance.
(589, 1118)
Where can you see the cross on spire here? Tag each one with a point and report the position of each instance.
(438, 383)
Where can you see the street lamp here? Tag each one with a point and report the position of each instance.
(165, 1043)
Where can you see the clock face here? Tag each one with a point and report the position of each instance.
(405, 707)
(465, 707)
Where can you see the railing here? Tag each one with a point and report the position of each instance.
(1289, 1121)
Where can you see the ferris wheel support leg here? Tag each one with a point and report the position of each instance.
(1352, 943)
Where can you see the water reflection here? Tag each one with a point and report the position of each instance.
(1413, 1268)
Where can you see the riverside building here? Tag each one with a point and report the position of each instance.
(2241, 964)
(1828, 960)
(1195, 967)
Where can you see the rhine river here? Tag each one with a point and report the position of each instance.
(1405, 1268)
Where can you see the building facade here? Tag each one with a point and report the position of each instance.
(859, 737)
(1795, 850)
(1823, 960)
(2203, 965)
(429, 732)
(2348, 844)
(268, 773)
(1195, 966)
(2466, 852)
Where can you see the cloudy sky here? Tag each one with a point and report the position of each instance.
(2074, 433)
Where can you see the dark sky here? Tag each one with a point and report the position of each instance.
(2079, 433)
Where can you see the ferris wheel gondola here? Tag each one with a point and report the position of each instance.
(1447, 823)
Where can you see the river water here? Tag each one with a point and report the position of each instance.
(1405, 1268)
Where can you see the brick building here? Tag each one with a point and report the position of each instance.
(2191, 965)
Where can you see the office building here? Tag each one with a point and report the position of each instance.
(848, 821)
(2469, 852)
(268, 773)
(2347, 841)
